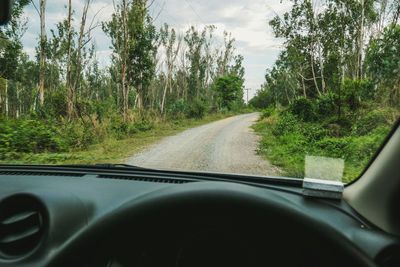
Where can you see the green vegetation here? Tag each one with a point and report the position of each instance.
(49, 145)
(335, 89)
(287, 138)
(64, 107)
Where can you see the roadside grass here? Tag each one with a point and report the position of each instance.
(286, 140)
(113, 150)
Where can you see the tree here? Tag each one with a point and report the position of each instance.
(133, 34)
(121, 41)
(171, 47)
(11, 51)
(141, 57)
(383, 61)
(229, 91)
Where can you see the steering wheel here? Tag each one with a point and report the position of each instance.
(274, 213)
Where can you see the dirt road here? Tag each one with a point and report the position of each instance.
(227, 145)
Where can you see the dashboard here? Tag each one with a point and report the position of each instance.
(76, 218)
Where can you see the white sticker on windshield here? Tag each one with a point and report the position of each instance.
(324, 168)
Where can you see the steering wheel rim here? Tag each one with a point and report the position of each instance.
(190, 197)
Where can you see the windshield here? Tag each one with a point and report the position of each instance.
(275, 88)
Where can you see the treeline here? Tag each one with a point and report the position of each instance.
(158, 70)
(335, 89)
(341, 51)
(155, 73)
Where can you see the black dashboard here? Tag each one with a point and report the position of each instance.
(75, 218)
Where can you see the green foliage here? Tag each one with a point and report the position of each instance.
(326, 105)
(286, 124)
(28, 136)
(355, 91)
(178, 109)
(229, 91)
(268, 112)
(303, 109)
(383, 61)
(371, 121)
(286, 140)
(263, 99)
(197, 109)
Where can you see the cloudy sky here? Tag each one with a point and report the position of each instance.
(247, 20)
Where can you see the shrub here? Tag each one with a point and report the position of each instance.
(178, 108)
(326, 105)
(141, 126)
(355, 90)
(303, 109)
(76, 135)
(313, 131)
(371, 121)
(29, 136)
(197, 109)
(268, 112)
(286, 123)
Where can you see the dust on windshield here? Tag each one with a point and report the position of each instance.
(272, 88)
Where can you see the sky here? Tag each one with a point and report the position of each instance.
(246, 20)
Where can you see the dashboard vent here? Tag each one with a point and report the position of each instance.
(147, 179)
(22, 220)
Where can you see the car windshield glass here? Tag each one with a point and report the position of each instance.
(274, 88)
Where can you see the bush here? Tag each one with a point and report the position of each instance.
(286, 123)
(197, 109)
(303, 109)
(356, 90)
(76, 135)
(326, 105)
(370, 122)
(178, 108)
(29, 136)
(268, 112)
(313, 131)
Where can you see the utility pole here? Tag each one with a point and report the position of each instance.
(247, 91)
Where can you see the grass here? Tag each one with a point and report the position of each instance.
(286, 141)
(113, 150)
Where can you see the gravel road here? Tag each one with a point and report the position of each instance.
(227, 145)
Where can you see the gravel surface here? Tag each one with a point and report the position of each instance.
(227, 145)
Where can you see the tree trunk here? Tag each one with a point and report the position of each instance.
(361, 44)
(164, 96)
(18, 108)
(124, 54)
(78, 67)
(6, 98)
(125, 94)
(42, 66)
(70, 93)
(321, 67)
(313, 73)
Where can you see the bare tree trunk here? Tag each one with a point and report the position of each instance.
(125, 93)
(6, 98)
(313, 61)
(17, 111)
(361, 44)
(125, 88)
(321, 67)
(70, 93)
(42, 66)
(164, 96)
(304, 87)
(78, 68)
(313, 73)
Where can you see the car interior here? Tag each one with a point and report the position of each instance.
(119, 215)
(125, 216)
